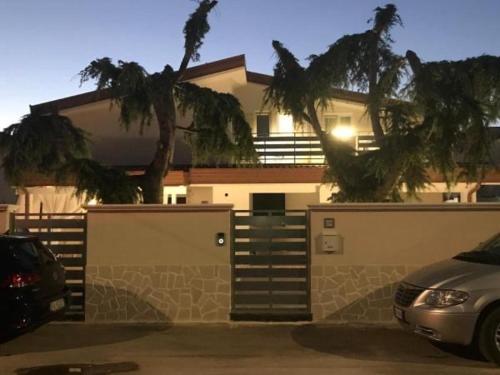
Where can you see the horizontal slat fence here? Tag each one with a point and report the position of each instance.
(270, 266)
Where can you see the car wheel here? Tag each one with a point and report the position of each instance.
(489, 337)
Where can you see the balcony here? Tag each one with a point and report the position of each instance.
(301, 148)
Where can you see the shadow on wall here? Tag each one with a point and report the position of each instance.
(376, 306)
(161, 293)
(111, 304)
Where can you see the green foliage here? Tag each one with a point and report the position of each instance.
(352, 60)
(376, 176)
(130, 87)
(385, 19)
(219, 131)
(439, 121)
(40, 144)
(107, 185)
(460, 100)
(197, 27)
(51, 146)
(290, 86)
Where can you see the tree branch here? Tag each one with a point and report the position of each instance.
(312, 118)
(194, 31)
(414, 60)
(188, 129)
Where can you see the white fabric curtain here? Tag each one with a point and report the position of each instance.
(51, 199)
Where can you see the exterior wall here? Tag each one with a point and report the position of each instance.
(433, 194)
(382, 243)
(298, 196)
(157, 263)
(153, 263)
(5, 211)
(200, 195)
(112, 144)
(297, 201)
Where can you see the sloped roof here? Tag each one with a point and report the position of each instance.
(191, 73)
(341, 94)
(95, 96)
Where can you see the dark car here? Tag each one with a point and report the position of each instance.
(32, 285)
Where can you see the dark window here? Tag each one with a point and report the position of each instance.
(330, 123)
(488, 193)
(45, 254)
(263, 125)
(181, 199)
(25, 255)
(169, 199)
(268, 201)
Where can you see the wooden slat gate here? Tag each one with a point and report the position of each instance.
(270, 266)
(66, 236)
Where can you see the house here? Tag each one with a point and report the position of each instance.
(291, 170)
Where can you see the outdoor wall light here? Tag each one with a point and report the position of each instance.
(343, 132)
(220, 239)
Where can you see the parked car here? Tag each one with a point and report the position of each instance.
(457, 300)
(32, 285)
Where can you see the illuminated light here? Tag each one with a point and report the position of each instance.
(285, 123)
(92, 202)
(343, 132)
(220, 239)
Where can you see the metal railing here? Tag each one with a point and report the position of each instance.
(300, 148)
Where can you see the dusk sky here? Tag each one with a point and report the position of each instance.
(45, 43)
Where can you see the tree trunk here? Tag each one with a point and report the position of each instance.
(374, 110)
(152, 185)
(322, 136)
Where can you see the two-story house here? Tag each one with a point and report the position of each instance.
(292, 163)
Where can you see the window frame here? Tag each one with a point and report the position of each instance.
(259, 114)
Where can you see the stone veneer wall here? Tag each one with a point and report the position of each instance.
(169, 293)
(381, 243)
(355, 293)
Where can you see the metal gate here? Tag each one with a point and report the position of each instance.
(66, 236)
(270, 263)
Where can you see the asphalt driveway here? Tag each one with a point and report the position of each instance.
(230, 349)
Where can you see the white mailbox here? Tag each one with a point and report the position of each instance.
(331, 243)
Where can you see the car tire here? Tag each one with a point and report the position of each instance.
(488, 342)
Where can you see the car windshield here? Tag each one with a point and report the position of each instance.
(487, 252)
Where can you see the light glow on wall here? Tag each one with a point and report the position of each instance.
(285, 123)
(343, 132)
(173, 192)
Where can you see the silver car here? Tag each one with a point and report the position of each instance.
(457, 300)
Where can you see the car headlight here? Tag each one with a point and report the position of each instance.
(445, 298)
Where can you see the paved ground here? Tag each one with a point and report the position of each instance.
(234, 349)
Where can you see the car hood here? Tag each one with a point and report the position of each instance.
(449, 274)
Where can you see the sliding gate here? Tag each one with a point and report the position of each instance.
(66, 236)
(270, 266)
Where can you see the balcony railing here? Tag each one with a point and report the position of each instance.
(300, 148)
